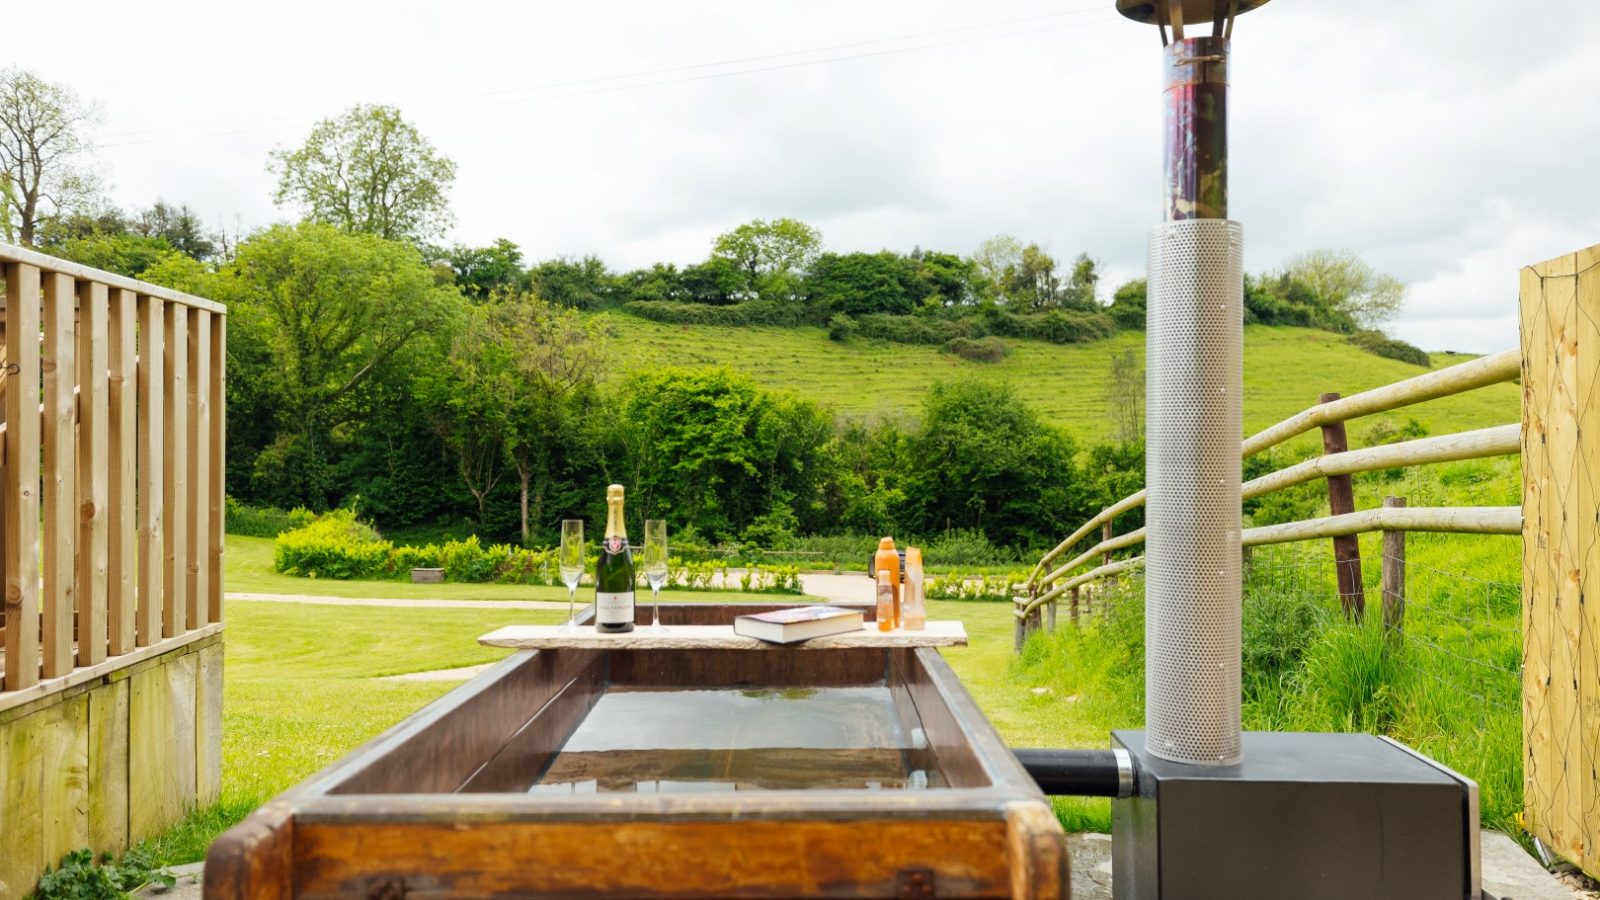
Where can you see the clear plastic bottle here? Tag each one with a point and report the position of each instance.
(913, 611)
(885, 613)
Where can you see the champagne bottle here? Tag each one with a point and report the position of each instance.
(613, 574)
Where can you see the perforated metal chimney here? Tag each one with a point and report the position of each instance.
(1194, 366)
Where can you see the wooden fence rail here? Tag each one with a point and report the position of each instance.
(1050, 580)
(111, 472)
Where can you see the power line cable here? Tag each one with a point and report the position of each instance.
(452, 107)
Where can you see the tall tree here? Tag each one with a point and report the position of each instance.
(994, 265)
(558, 358)
(1034, 281)
(179, 226)
(44, 152)
(1124, 396)
(482, 272)
(861, 283)
(330, 311)
(368, 171)
(578, 283)
(1082, 285)
(1346, 284)
(773, 255)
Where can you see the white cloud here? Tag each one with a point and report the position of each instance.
(1447, 142)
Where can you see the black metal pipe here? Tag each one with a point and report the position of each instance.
(1080, 773)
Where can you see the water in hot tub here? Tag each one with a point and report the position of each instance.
(684, 741)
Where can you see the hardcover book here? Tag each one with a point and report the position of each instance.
(787, 626)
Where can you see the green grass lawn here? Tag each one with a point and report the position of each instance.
(1285, 369)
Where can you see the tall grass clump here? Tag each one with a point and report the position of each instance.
(1446, 684)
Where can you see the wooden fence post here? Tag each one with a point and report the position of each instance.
(1075, 608)
(1342, 499)
(1051, 616)
(1019, 633)
(1560, 330)
(1394, 573)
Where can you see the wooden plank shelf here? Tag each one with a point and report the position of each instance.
(715, 637)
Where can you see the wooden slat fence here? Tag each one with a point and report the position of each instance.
(111, 472)
(1050, 580)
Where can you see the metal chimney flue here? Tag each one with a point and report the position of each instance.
(1209, 811)
(1194, 373)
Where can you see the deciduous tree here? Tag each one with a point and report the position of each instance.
(44, 152)
(368, 171)
(1345, 283)
(773, 255)
(330, 310)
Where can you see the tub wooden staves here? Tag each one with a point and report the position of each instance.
(864, 772)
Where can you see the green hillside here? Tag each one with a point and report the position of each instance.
(1285, 369)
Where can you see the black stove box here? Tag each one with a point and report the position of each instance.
(1307, 816)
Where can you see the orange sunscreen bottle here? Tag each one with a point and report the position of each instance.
(887, 560)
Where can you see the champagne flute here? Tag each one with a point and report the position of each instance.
(571, 562)
(655, 567)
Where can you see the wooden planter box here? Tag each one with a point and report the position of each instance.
(427, 576)
(496, 788)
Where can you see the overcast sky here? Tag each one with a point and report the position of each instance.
(1447, 141)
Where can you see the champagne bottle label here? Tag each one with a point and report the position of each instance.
(615, 544)
(613, 608)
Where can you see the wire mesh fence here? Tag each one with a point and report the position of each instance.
(1447, 680)
(1456, 631)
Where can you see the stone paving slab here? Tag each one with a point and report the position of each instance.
(1509, 873)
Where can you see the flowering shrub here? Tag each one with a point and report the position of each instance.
(334, 545)
(337, 545)
(977, 586)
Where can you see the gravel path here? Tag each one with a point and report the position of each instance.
(319, 600)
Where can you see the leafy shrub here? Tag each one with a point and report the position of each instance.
(918, 329)
(403, 559)
(750, 312)
(1385, 431)
(1278, 627)
(1058, 326)
(264, 521)
(965, 547)
(773, 531)
(1127, 308)
(841, 327)
(974, 587)
(468, 561)
(985, 349)
(336, 545)
(79, 876)
(1380, 344)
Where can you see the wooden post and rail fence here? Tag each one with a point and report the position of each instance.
(1558, 440)
(1050, 580)
(111, 553)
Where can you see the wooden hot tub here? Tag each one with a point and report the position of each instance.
(667, 773)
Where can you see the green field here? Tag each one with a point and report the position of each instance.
(1285, 370)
